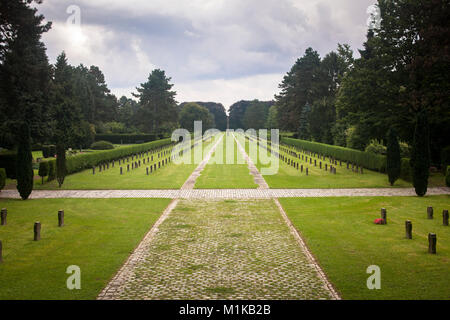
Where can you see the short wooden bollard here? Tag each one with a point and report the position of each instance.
(408, 228)
(307, 171)
(1, 252)
(128, 167)
(430, 213)
(326, 167)
(445, 217)
(61, 218)
(432, 240)
(384, 215)
(121, 171)
(147, 170)
(4, 215)
(37, 231)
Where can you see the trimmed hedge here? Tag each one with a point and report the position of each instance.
(365, 159)
(80, 162)
(447, 177)
(8, 162)
(102, 145)
(126, 138)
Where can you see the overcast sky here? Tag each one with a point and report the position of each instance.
(214, 50)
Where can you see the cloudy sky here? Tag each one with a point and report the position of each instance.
(214, 50)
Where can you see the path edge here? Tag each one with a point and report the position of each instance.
(298, 237)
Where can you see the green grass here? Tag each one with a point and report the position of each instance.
(171, 176)
(220, 175)
(98, 236)
(340, 232)
(288, 177)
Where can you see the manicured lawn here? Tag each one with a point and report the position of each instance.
(221, 173)
(171, 176)
(288, 177)
(340, 232)
(98, 236)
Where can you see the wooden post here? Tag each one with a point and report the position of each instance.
(432, 243)
(147, 170)
(37, 231)
(320, 164)
(121, 171)
(384, 215)
(60, 218)
(1, 252)
(4, 214)
(128, 167)
(408, 227)
(306, 171)
(445, 217)
(326, 166)
(93, 170)
(430, 213)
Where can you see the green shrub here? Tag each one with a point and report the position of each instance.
(80, 162)
(125, 138)
(51, 170)
(447, 177)
(8, 162)
(43, 170)
(102, 145)
(376, 147)
(2, 178)
(365, 159)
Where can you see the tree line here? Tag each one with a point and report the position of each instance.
(402, 72)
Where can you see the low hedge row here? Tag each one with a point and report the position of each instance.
(126, 138)
(80, 162)
(365, 159)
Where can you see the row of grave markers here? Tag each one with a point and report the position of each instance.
(305, 154)
(37, 227)
(432, 237)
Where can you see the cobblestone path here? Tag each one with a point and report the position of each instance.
(221, 250)
(224, 193)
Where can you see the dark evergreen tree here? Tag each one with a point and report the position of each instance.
(157, 106)
(303, 129)
(393, 160)
(24, 71)
(61, 169)
(24, 163)
(420, 157)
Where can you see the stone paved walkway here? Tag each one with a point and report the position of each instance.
(223, 193)
(220, 250)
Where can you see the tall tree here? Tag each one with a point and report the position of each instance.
(255, 116)
(24, 71)
(24, 164)
(420, 156)
(158, 108)
(393, 159)
(192, 112)
(65, 113)
(296, 90)
(272, 118)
